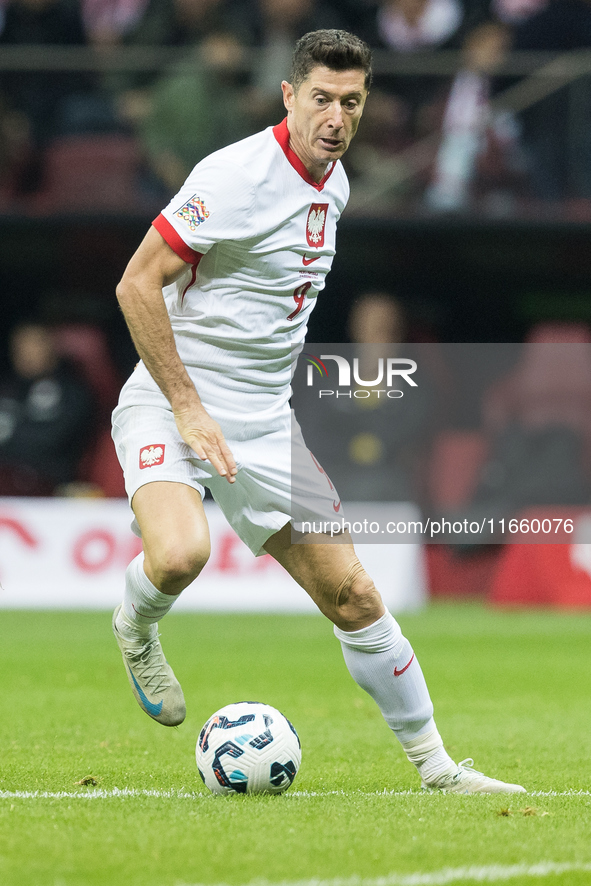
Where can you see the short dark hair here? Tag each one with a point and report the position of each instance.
(337, 50)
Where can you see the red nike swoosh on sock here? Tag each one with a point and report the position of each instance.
(398, 673)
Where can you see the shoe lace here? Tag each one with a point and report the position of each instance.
(466, 765)
(149, 664)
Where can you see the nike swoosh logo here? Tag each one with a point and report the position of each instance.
(308, 261)
(336, 507)
(398, 673)
(151, 708)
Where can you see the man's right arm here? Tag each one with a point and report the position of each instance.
(152, 267)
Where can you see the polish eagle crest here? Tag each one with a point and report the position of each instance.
(316, 221)
(152, 455)
(315, 224)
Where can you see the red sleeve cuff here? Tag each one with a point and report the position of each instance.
(176, 243)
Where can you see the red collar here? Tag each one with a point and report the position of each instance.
(281, 133)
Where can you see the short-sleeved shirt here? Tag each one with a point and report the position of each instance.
(258, 235)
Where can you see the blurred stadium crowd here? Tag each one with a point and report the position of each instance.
(478, 105)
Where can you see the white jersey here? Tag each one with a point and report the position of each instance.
(258, 235)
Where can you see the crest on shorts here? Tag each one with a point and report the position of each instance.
(153, 455)
(315, 224)
(193, 213)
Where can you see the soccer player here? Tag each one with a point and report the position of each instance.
(217, 297)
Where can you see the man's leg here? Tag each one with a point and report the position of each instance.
(176, 547)
(378, 657)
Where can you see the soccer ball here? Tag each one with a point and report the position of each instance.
(248, 748)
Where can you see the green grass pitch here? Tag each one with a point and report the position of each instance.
(511, 690)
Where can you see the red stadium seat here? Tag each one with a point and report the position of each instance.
(460, 575)
(550, 386)
(102, 467)
(90, 173)
(559, 333)
(454, 468)
(455, 462)
(86, 346)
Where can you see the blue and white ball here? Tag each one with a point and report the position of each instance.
(248, 748)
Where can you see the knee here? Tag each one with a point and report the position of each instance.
(357, 601)
(173, 566)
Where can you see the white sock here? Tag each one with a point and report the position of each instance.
(381, 660)
(429, 756)
(143, 603)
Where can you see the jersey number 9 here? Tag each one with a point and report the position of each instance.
(299, 298)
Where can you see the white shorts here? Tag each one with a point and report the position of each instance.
(278, 479)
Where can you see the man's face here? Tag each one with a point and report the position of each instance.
(323, 115)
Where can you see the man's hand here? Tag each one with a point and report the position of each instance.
(205, 437)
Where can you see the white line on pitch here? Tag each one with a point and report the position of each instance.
(483, 874)
(104, 794)
(96, 794)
